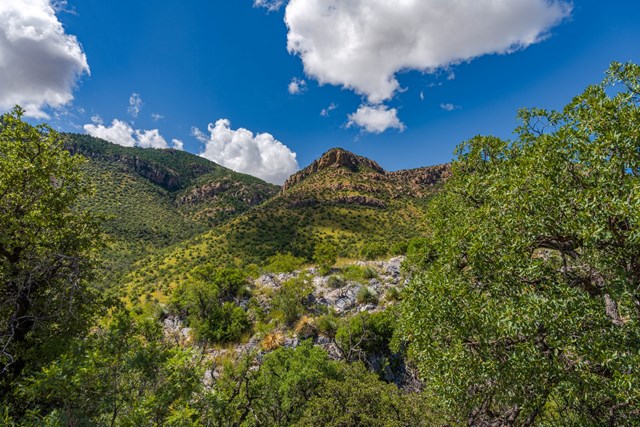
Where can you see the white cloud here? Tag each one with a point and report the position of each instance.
(151, 139)
(122, 133)
(39, 63)
(297, 86)
(259, 155)
(375, 119)
(135, 104)
(371, 40)
(449, 107)
(119, 132)
(177, 144)
(155, 117)
(270, 5)
(421, 96)
(326, 111)
(96, 119)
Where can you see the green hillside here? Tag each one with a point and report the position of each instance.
(344, 200)
(153, 199)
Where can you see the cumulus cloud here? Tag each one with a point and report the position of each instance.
(270, 5)
(177, 144)
(135, 104)
(39, 63)
(326, 111)
(155, 117)
(297, 86)
(375, 119)
(449, 107)
(151, 139)
(259, 155)
(96, 119)
(371, 40)
(119, 132)
(122, 133)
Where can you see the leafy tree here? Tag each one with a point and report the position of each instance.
(359, 398)
(46, 248)
(528, 312)
(207, 305)
(284, 263)
(325, 255)
(374, 250)
(123, 373)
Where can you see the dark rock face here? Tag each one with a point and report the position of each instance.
(249, 195)
(334, 158)
(155, 173)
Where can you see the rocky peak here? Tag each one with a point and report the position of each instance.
(334, 158)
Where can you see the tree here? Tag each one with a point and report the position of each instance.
(123, 373)
(207, 304)
(325, 255)
(528, 307)
(46, 247)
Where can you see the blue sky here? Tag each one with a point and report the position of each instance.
(197, 62)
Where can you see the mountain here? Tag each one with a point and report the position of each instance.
(341, 199)
(153, 198)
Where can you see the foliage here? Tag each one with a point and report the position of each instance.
(335, 281)
(207, 305)
(528, 312)
(291, 300)
(325, 255)
(365, 295)
(358, 273)
(124, 373)
(46, 248)
(284, 263)
(420, 253)
(365, 335)
(374, 250)
(358, 398)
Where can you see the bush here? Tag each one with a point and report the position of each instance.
(335, 282)
(272, 341)
(206, 305)
(373, 250)
(291, 300)
(366, 296)
(325, 255)
(328, 325)
(358, 273)
(284, 263)
(366, 334)
(399, 248)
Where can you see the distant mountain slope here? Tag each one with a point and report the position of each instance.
(346, 200)
(157, 198)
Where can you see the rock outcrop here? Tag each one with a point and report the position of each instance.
(334, 158)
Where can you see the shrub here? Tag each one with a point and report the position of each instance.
(335, 282)
(290, 301)
(284, 263)
(272, 341)
(373, 250)
(328, 325)
(366, 296)
(306, 327)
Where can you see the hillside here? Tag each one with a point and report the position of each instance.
(153, 199)
(341, 199)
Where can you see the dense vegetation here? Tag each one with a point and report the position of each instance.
(523, 308)
(528, 310)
